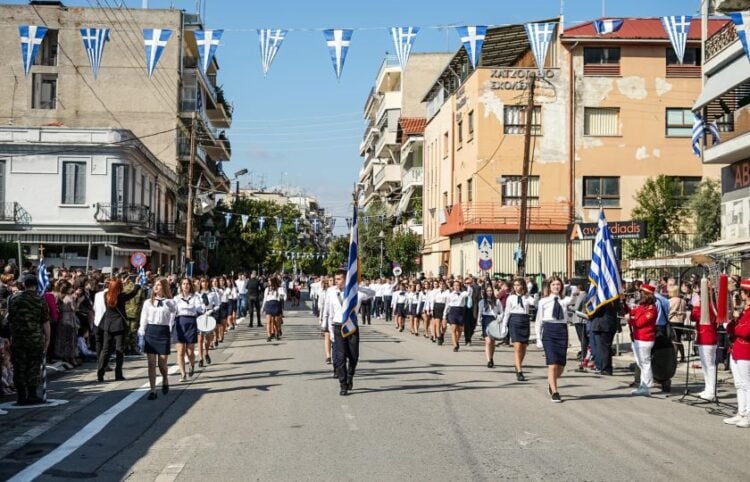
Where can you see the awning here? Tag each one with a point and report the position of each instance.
(126, 249)
(404, 202)
(724, 80)
(658, 263)
(161, 247)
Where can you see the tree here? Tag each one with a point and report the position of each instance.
(372, 222)
(404, 247)
(662, 211)
(338, 254)
(705, 207)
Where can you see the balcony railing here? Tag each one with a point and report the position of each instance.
(492, 216)
(387, 173)
(13, 212)
(720, 40)
(129, 214)
(171, 229)
(412, 177)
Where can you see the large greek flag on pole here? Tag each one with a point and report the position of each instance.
(338, 41)
(31, 39)
(208, 42)
(403, 40)
(155, 40)
(42, 280)
(142, 279)
(94, 40)
(472, 37)
(270, 43)
(741, 25)
(349, 315)
(677, 28)
(540, 37)
(698, 128)
(604, 274)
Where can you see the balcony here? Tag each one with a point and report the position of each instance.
(389, 74)
(172, 230)
(387, 140)
(470, 217)
(412, 178)
(730, 112)
(390, 101)
(221, 114)
(134, 215)
(13, 213)
(388, 174)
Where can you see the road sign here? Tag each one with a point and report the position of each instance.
(138, 259)
(484, 246)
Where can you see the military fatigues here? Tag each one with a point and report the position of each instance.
(27, 313)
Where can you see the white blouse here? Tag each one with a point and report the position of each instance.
(441, 297)
(399, 298)
(517, 305)
(272, 295)
(191, 306)
(157, 315)
(545, 310)
(455, 300)
(490, 309)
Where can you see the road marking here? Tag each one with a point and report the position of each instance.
(185, 448)
(84, 435)
(349, 417)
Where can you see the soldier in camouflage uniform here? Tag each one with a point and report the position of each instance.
(29, 320)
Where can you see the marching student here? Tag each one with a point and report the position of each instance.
(345, 350)
(516, 317)
(439, 299)
(218, 312)
(212, 303)
(490, 309)
(740, 362)
(365, 306)
(412, 302)
(455, 312)
(399, 301)
(642, 320)
(189, 306)
(552, 334)
(233, 296)
(157, 321)
(272, 300)
(388, 285)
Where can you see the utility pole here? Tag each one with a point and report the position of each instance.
(189, 223)
(521, 270)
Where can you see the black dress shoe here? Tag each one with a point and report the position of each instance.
(520, 377)
(34, 400)
(120, 378)
(328, 361)
(350, 385)
(260, 326)
(344, 392)
(208, 359)
(108, 369)
(165, 388)
(152, 396)
(100, 379)
(200, 363)
(491, 364)
(455, 348)
(191, 371)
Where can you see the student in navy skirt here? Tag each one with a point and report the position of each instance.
(189, 306)
(273, 297)
(516, 317)
(157, 320)
(455, 310)
(552, 333)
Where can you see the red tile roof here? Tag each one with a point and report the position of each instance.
(642, 29)
(411, 126)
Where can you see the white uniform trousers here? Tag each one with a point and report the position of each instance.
(642, 352)
(741, 375)
(707, 355)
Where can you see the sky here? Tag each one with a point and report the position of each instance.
(299, 127)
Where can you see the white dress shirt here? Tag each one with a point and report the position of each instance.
(190, 306)
(489, 309)
(544, 313)
(387, 289)
(241, 285)
(517, 305)
(333, 308)
(455, 300)
(273, 295)
(399, 298)
(153, 314)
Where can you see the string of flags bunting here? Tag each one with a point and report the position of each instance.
(299, 254)
(316, 224)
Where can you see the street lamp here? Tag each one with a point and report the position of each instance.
(381, 236)
(237, 175)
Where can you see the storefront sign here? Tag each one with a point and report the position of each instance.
(735, 176)
(516, 79)
(618, 230)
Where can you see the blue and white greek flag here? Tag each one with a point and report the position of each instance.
(338, 41)
(713, 129)
(403, 40)
(315, 224)
(31, 39)
(142, 280)
(610, 25)
(351, 290)
(227, 219)
(540, 37)
(677, 28)
(261, 222)
(296, 224)
(270, 43)
(604, 274)
(94, 40)
(208, 42)
(279, 221)
(42, 280)
(154, 40)
(699, 130)
(472, 36)
(741, 25)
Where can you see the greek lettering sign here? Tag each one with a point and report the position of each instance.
(516, 79)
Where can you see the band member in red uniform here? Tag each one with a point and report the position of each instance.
(643, 324)
(706, 341)
(739, 330)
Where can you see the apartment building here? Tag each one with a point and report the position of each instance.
(392, 171)
(61, 90)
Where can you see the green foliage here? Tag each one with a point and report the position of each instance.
(370, 241)
(404, 247)
(338, 253)
(705, 207)
(662, 211)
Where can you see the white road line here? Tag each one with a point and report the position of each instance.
(84, 435)
(349, 417)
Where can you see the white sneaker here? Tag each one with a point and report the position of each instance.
(743, 423)
(734, 420)
(641, 391)
(710, 397)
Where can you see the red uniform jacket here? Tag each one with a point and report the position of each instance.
(643, 322)
(706, 334)
(740, 330)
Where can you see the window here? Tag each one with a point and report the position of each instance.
(685, 187)
(512, 191)
(459, 194)
(601, 56)
(445, 199)
(679, 122)
(44, 91)
(2, 184)
(692, 57)
(604, 190)
(445, 144)
(601, 61)
(74, 182)
(469, 189)
(143, 190)
(470, 127)
(48, 50)
(601, 121)
(460, 128)
(514, 117)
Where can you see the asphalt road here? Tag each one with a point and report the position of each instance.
(271, 411)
